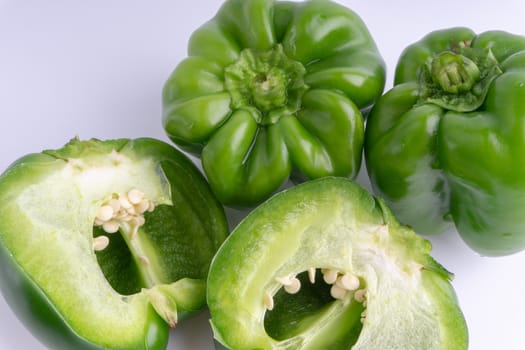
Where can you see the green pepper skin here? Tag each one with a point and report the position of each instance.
(332, 224)
(442, 158)
(72, 296)
(274, 85)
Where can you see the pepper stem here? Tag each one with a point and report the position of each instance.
(268, 81)
(269, 89)
(454, 73)
(458, 79)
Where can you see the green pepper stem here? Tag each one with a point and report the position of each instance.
(454, 73)
(266, 80)
(458, 80)
(269, 89)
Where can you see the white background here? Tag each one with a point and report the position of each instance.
(96, 69)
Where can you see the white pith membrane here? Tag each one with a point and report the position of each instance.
(59, 213)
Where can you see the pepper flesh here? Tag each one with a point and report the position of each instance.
(442, 146)
(403, 298)
(274, 85)
(72, 296)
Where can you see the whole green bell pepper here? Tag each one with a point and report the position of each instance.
(324, 265)
(444, 145)
(272, 89)
(71, 278)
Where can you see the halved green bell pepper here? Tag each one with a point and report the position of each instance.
(444, 145)
(105, 244)
(272, 89)
(324, 265)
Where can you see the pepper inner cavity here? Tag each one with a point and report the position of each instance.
(300, 298)
(125, 213)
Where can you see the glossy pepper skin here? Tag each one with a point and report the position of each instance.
(273, 89)
(74, 293)
(444, 146)
(402, 299)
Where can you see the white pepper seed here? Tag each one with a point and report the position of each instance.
(136, 221)
(348, 281)
(104, 213)
(124, 202)
(337, 292)
(293, 287)
(122, 213)
(98, 222)
(268, 301)
(111, 226)
(135, 196)
(100, 243)
(126, 218)
(363, 316)
(151, 206)
(131, 210)
(360, 295)
(115, 204)
(330, 276)
(141, 207)
(139, 220)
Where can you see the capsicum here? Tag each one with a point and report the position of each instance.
(325, 265)
(274, 85)
(106, 244)
(444, 146)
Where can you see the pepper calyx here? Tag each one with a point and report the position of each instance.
(267, 80)
(458, 79)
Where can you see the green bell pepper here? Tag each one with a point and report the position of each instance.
(324, 265)
(274, 85)
(71, 278)
(444, 145)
